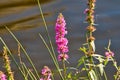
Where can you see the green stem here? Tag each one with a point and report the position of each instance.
(105, 75)
(115, 64)
(46, 28)
(84, 63)
(64, 69)
(32, 76)
(52, 76)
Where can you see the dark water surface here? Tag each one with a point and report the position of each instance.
(23, 18)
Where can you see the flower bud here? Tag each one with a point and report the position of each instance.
(91, 28)
(91, 38)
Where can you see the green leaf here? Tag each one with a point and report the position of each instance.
(69, 75)
(93, 45)
(105, 62)
(101, 68)
(72, 68)
(81, 61)
(84, 78)
(93, 75)
(84, 69)
(97, 55)
(93, 65)
(100, 58)
(83, 49)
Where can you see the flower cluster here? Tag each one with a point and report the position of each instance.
(2, 76)
(62, 57)
(61, 41)
(46, 72)
(90, 15)
(90, 11)
(109, 54)
(90, 28)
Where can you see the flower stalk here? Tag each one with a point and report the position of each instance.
(7, 64)
(91, 28)
(61, 41)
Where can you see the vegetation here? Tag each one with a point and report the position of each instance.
(90, 66)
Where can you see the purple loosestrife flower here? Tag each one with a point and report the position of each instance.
(62, 57)
(109, 54)
(2, 76)
(46, 72)
(61, 41)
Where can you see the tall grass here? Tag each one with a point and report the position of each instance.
(50, 48)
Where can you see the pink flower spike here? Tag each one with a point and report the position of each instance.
(60, 29)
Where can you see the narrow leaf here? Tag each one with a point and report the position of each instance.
(80, 61)
(93, 45)
(101, 68)
(93, 75)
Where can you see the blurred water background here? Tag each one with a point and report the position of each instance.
(24, 19)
